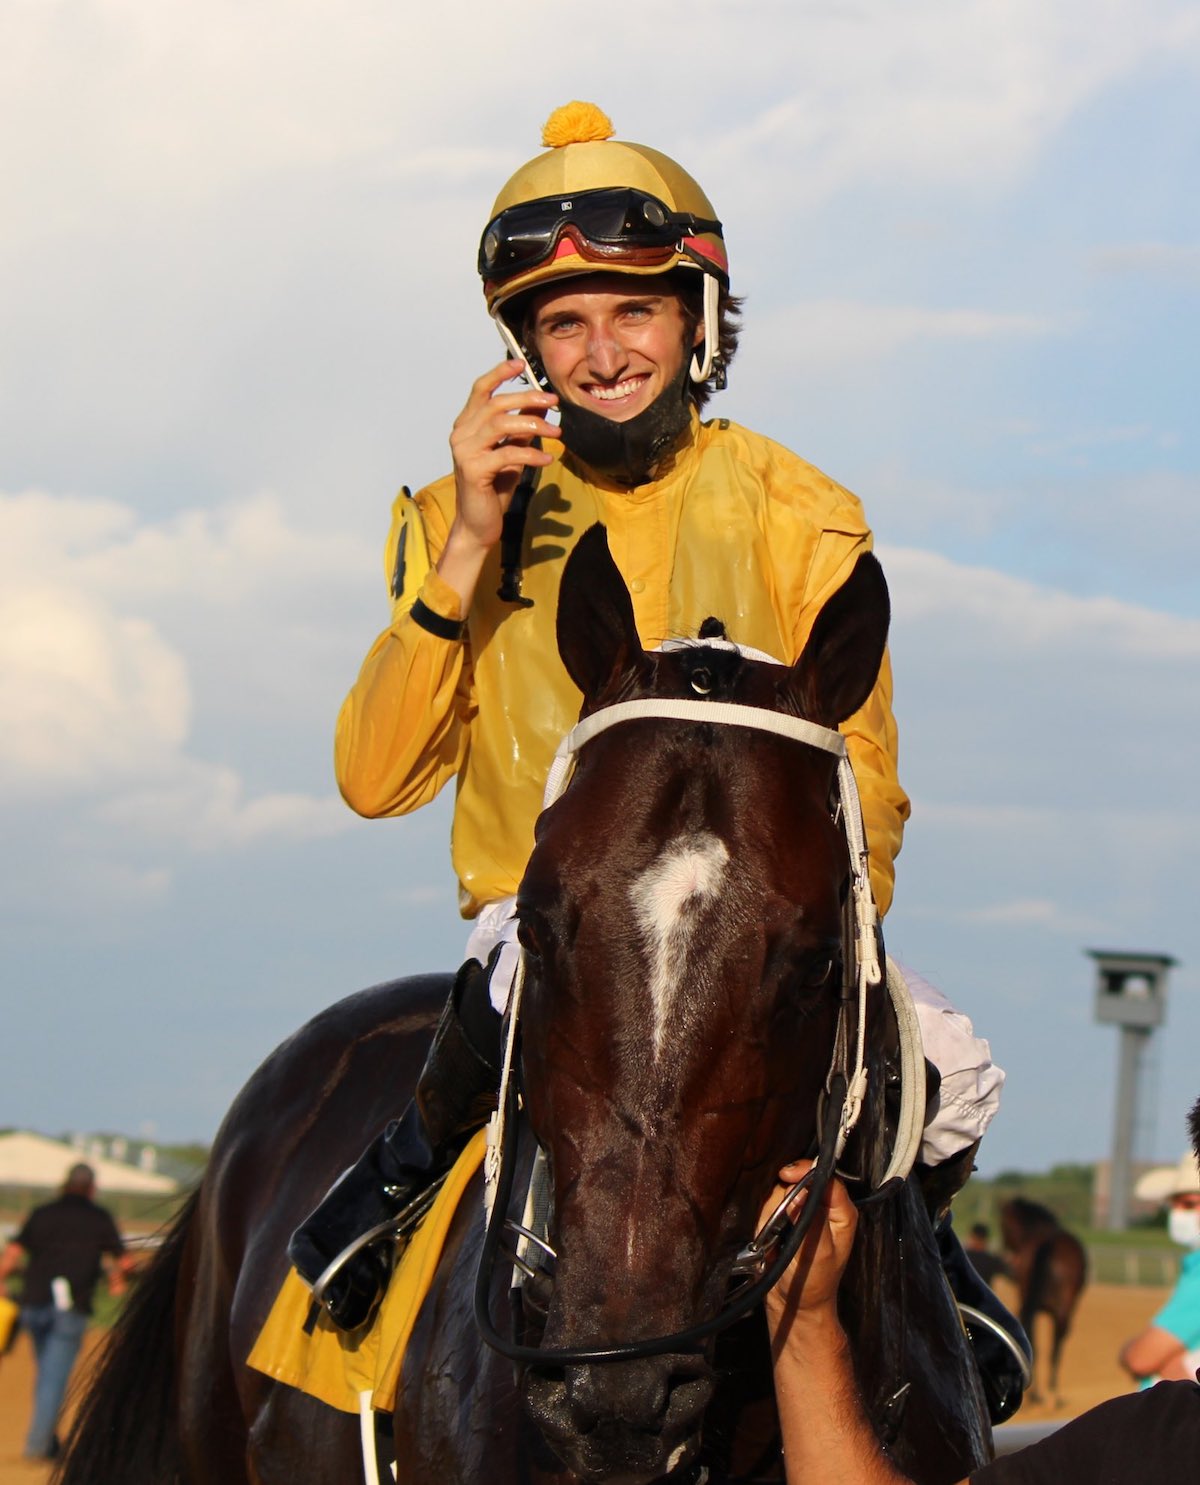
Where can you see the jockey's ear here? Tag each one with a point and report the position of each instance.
(597, 635)
(839, 664)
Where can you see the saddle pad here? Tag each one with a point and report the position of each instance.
(337, 1366)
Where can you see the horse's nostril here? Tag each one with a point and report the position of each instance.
(634, 1394)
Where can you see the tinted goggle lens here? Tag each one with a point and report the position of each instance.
(526, 235)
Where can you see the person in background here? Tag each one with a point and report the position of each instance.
(1167, 1346)
(62, 1250)
(1147, 1436)
(979, 1250)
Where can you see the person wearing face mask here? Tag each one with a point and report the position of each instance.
(1169, 1347)
(605, 271)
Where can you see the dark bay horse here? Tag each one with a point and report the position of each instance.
(1049, 1267)
(683, 924)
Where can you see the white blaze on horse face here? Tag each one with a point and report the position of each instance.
(688, 875)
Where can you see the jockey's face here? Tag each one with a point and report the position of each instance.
(611, 343)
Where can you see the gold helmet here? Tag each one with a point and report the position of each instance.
(594, 204)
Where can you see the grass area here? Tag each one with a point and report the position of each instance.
(139, 1214)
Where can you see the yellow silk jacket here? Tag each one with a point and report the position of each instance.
(736, 527)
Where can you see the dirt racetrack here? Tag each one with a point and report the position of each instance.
(1107, 1315)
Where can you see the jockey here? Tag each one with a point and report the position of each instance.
(604, 268)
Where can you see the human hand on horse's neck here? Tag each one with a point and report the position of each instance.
(826, 1433)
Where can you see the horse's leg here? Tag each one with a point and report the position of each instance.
(1028, 1318)
(1055, 1350)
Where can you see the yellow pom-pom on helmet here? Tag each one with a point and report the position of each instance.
(576, 123)
(594, 204)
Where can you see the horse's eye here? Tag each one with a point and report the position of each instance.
(818, 973)
(527, 937)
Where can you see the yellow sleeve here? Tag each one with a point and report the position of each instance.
(403, 730)
(871, 737)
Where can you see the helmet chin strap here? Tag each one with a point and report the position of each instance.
(702, 365)
(515, 348)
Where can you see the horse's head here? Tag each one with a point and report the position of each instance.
(681, 917)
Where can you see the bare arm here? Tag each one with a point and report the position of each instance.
(117, 1272)
(826, 1433)
(11, 1260)
(1155, 1352)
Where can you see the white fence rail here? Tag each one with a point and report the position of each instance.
(1116, 1264)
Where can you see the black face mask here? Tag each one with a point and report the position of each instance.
(628, 453)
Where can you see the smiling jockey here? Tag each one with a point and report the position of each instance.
(604, 268)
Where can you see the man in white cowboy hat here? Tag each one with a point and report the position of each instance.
(1168, 1346)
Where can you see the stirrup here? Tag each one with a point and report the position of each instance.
(399, 1226)
(972, 1316)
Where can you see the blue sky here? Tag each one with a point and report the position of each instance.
(238, 310)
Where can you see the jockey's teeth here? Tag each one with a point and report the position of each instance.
(622, 389)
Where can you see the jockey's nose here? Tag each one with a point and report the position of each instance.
(607, 358)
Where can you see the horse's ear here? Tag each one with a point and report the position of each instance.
(597, 635)
(839, 665)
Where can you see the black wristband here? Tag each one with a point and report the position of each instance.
(437, 624)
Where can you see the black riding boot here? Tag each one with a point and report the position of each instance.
(1004, 1378)
(454, 1095)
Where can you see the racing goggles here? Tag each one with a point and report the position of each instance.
(611, 224)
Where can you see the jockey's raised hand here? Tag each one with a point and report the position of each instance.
(492, 442)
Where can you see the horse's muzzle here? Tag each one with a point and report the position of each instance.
(623, 1422)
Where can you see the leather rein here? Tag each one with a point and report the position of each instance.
(845, 1084)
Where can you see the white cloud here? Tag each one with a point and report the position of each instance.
(222, 555)
(98, 700)
(87, 694)
(1016, 615)
(239, 95)
(963, 95)
(204, 808)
